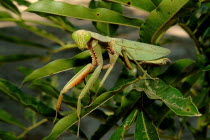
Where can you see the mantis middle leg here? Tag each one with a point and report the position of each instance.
(113, 58)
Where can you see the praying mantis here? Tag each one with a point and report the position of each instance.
(129, 50)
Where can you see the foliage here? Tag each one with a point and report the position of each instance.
(151, 106)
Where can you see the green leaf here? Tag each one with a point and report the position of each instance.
(25, 70)
(207, 68)
(157, 89)
(127, 104)
(160, 20)
(17, 57)
(46, 87)
(25, 99)
(127, 123)
(4, 14)
(21, 41)
(175, 70)
(30, 115)
(156, 2)
(81, 12)
(59, 66)
(191, 81)
(106, 28)
(23, 2)
(63, 22)
(63, 124)
(10, 6)
(146, 5)
(8, 118)
(7, 136)
(145, 129)
(41, 32)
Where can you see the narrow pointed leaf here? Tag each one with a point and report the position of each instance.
(21, 41)
(127, 123)
(23, 2)
(207, 68)
(177, 68)
(63, 124)
(157, 89)
(18, 57)
(41, 32)
(25, 99)
(62, 21)
(126, 105)
(81, 12)
(7, 136)
(10, 6)
(45, 86)
(160, 20)
(4, 14)
(145, 130)
(8, 118)
(59, 66)
(146, 5)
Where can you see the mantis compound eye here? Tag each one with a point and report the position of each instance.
(81, 38)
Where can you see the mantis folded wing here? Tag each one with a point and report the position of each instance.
(139, 52)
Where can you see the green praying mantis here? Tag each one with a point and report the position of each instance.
(129, 50)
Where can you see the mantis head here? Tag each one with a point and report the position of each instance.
(81, 38)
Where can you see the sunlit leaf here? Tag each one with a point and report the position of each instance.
(106, 28)
(81, 12)
(146, 5)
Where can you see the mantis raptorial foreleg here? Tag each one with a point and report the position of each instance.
(78, 77)
(97, 51)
